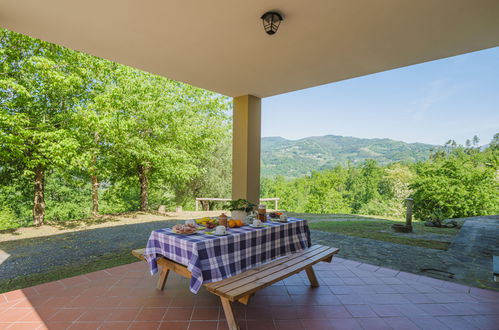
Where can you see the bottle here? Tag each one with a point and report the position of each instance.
(222, 220)
(262, 213)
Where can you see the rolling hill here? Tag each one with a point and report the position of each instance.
(294, 158)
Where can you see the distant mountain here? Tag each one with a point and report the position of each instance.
(293, 158)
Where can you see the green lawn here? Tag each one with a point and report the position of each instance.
(315, 216)
(381, 230)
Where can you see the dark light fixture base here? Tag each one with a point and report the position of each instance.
(271, 21)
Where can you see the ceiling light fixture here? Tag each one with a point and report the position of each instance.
(271, 21)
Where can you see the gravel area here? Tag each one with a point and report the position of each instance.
(33, 255)
(105, 221)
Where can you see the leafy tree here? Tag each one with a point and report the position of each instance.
(363, 184)
(67, 118)
(494, 144)
(215, 173)
(160, 130)
(40, 87)
(459, 184)
(326, 192)
(91, 121)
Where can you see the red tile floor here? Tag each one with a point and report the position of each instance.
(352, 296)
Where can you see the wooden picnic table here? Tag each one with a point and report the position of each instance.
(236, 266)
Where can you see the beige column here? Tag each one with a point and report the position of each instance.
(246, 148)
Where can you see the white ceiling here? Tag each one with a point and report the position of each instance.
(220, 45)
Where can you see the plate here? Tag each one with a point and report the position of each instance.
(220, 234)
(186, 234)
(261, 226)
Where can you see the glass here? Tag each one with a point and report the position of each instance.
(262, 213)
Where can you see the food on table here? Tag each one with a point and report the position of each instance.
(203, 221)
(184, 229)
(275, 215)
(257, 223)
(235, 223)
(210, 224)
(190, 222)
(262, 212)
(222, 220)
(207, 222)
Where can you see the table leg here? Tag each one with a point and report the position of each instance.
(229, 314)
(163, 276)
(311, 277)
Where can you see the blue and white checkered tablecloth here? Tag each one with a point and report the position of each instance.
(212, 258)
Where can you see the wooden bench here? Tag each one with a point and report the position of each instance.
(243, 286)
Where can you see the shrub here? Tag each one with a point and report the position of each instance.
(454, 186)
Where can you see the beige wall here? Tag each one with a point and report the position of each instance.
(246, 148)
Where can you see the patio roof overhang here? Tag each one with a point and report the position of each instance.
(221, 46)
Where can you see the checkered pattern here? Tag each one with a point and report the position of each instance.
(213, 258)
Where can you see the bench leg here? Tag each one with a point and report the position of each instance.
(329, 259)
(229, 314)
(163, 276)
(245, 300)
(311, 277)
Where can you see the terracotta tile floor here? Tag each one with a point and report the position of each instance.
(351, 296)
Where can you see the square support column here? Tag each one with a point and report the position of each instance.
(246, 132)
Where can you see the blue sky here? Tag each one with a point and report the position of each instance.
(453, 98)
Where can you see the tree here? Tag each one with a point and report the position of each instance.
(363, 184)
(160, 131)
(91, 121)
(494, 144)
(326, 192)
(460, 184)
(476, 140)
(214, 177)
(40, 86)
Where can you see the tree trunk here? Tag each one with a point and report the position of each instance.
(39, 201)
(95, 196)
(95, 181)
(144, 187)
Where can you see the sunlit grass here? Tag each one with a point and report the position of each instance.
(314, 216)
(381, 230)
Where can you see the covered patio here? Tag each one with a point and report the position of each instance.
(221, 46)
(352, 295)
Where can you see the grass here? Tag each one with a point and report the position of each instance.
(336, 216)
(381, 230)
(57, 273)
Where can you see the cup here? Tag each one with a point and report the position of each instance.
(220, 230)
(257, 223)
(190, 222)
(283, 218)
